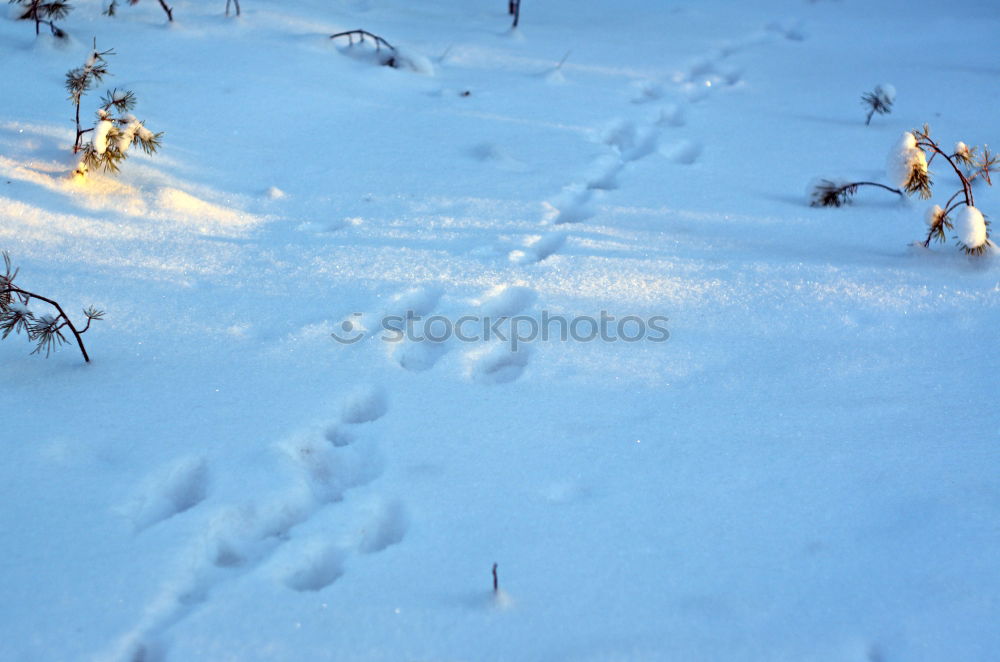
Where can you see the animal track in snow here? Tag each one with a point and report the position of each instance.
(631, 142)
(316, 568)
(418, 355)
(364, 405)
(538, 248)
(419, 300)
(671, 115)
(572, 205)
(507, 301)
(173, 490)
(387, 527)
(339, 436)
(499, 364)
(685, 152)
(790, 29)
(647, 91)
(604, 173)
(490, 153)
(328, 470)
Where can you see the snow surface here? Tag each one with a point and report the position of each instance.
(970, 226)
(805, 470)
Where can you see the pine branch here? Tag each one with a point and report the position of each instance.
(44, 13)
(827, 193)
(45, 330)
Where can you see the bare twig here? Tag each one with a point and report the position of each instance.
(361, 35)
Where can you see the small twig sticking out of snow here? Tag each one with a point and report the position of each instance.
(563, 60)
(361, 34)
(514, 8)
(233, 2)
(496, 581)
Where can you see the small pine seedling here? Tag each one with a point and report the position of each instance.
(879, 101)
(44, 12)
(113, 8)
(46, 330)
(116, 130)
(908, 168)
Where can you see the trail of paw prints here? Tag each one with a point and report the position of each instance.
(319, 466)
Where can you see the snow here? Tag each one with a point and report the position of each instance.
(934, 216)
(904, 158)
(779, 480)
(886, 92)
(101, 132)
(970, 227)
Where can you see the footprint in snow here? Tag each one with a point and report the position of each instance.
(313, 567)
(631, 142)
(686, 152)
(604, 173)
(671, 115)
(499, 364)
(572, 205)
(506, 301)
(387, 526)
(364, 405)
(172, 490)
(538, 248)
(647, 91)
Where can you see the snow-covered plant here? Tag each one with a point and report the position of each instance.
(44, 12)
(115, 133)
(45, 329)
(112, 8)
(908, 168)
(116, 129)
(879, 101)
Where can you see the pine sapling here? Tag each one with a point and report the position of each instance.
(44, 12)
(908, 168)
(879, 101)
(47, 330)
(116, 129)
